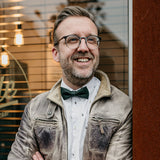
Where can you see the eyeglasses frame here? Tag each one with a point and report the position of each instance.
(80, 38)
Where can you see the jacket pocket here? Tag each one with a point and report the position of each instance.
(101, 131)
(47, 133)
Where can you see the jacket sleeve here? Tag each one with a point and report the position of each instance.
(120, 147)
(25, 144)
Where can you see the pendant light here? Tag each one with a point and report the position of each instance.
(18, 39)
(4, 58)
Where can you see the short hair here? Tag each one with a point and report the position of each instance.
(69, 12)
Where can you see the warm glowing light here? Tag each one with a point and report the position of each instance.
(4, 31)
(16, 15)
(12, 8)
(4, 59)
(17, 22)
(11, 23)
(11, 15)
(3, 46)
(3, 38)
(18, 39)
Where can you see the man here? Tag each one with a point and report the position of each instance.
(82, 117)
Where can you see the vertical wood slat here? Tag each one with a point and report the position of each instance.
(146, 80)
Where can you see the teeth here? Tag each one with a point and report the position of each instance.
(82, 60)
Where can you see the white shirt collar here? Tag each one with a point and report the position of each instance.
(90, 85)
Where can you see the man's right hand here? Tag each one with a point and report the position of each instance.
(37, 156)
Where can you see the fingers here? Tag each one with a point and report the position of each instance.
(37, 156)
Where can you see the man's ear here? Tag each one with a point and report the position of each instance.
(55, 54)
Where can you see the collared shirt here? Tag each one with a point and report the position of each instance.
(77, 113)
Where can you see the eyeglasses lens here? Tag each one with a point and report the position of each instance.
(73, 41)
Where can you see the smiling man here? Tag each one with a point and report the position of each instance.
(83, 116)
(77, 50)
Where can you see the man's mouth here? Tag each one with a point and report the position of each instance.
(82, 59)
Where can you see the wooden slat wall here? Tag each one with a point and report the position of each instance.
(36, 58)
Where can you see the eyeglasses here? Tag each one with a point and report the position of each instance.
(74, 41)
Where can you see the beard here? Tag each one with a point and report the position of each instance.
(74, 76)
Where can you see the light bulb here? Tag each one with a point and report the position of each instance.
(4, 58)
(18, 39)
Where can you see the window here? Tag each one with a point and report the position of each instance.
(31, 69)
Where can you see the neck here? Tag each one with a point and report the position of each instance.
(76, 83)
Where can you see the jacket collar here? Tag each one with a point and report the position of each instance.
(104, 89)
(54, 94)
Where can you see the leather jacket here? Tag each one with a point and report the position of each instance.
(43, 126)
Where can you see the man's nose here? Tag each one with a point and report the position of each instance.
(83, 46)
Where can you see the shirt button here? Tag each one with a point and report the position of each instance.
(49, 113)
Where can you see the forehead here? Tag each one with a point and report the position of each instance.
(79, 25)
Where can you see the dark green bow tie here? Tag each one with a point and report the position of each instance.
(83, 93)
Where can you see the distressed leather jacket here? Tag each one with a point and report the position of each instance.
(43, 126)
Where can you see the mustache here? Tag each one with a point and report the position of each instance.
(80, 55)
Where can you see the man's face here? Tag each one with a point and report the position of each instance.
(78, 65)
